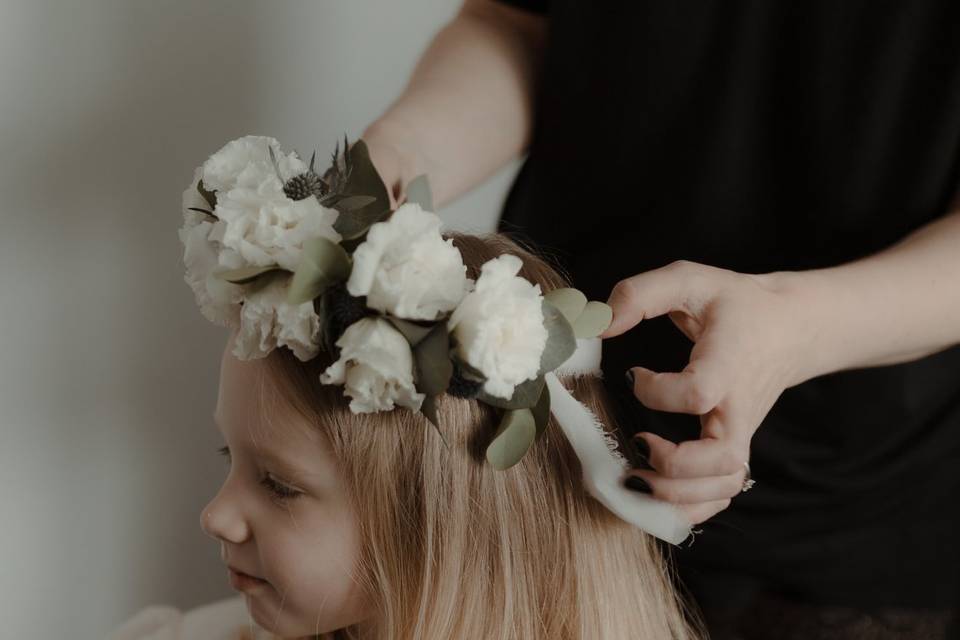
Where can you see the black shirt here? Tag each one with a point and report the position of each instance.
(765, 136)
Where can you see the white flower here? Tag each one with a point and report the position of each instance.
(245, 161)
(376, 365)
(263, 225)
(499, 327)
(407, 269)
(218, 299)
(267, 321)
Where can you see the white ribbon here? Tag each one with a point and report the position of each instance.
(602, 463)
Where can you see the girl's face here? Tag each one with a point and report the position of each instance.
(282, 514)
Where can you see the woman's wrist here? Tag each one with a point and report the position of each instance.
(392, 152)
(816, 325)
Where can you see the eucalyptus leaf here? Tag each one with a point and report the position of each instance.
(418, 191)
(352, 203)
(469, 371)
(261, 281)
(209, 213)
(541, 410)
(561, 342)
(209, 196)
(244, 275)
(412, 331)
(322, 263)
(568, 300)
(594, 320)
(429, 409)
(525, 395)
(432, 358)
(513, 438)
(363, 180)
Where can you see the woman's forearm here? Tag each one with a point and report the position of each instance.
(897, 305)
(468, 106)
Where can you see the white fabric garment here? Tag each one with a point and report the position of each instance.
(225, 619)
(603, 465)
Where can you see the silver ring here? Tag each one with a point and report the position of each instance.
(748, 482)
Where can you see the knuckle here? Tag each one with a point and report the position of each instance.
(672, 467)
(624, 290)
(699, 397)
(730, 461)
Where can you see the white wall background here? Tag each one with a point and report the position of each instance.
(109, 373)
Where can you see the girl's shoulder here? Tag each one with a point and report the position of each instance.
(225, 619)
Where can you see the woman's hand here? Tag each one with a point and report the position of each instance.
(751, 340)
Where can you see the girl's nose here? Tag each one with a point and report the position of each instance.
(221, 520)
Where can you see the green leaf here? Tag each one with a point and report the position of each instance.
(209, 196)
(363, 180)
(429, 409)
(245, 275)
(541, 410)
(512, 440)
(209, 213)
(561, 342)
(418, 191)
(322, 263)
(525, 395)
(432, 358)
(469, 371)
(594, 320)
(412, 331)
(352, 203)
(568, 300)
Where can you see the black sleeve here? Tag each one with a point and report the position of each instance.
(536, 6)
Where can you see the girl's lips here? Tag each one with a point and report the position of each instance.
(243, 582)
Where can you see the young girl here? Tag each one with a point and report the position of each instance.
(371, 525)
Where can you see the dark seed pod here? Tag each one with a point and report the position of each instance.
(462, 387)
(305, 185)
(342, 310)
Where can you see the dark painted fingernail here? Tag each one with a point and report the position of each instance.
(643, 463)
(629, 376)
(642, 447)
(636, 483)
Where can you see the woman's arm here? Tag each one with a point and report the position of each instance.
(897, 305)
(468, 106)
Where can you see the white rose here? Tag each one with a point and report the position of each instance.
(218, 299)
(499, 326)
(376, 365)
(267, 321)
(407, 269)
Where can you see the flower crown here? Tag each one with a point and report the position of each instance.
(291, 258)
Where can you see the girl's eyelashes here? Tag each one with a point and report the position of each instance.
(278, 491)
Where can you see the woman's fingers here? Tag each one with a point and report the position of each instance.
(707, 457)
(680, 285)
(693, 390)
(686, 490)
(698, 513)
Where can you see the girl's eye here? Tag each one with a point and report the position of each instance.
(278, 491)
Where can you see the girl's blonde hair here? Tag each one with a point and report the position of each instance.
(454, 549)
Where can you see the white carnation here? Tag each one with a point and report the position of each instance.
(245, 161)
(404, 267)
(268, 321)
(263, 225)
(218, 299)
(376, 366)
(498, 327)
